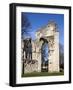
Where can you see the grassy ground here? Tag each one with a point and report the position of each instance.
(34, 74)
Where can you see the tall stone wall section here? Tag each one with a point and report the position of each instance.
(54, 57)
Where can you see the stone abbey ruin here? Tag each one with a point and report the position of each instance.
(51, 34)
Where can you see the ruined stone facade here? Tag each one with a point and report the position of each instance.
(50, 33)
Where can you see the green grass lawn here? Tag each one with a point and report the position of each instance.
(34, 74)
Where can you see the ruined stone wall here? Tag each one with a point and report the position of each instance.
(31, 66)
(53, 44)
(54, 54)
(53, 57)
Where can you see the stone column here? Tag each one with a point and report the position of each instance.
(36, 55)
(51, 55)
(39, 61)
(56, 52)
(54, 55)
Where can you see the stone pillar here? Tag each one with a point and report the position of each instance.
(51, 55)
(39, 61)
(56, 53)
(36, 55)
(50, 67)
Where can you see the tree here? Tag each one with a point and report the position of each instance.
(61, 57)
(25, 23)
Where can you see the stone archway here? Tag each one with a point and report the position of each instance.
(53, 43)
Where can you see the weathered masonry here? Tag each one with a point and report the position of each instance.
(50, 33)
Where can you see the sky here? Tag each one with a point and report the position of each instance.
(38, 20)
